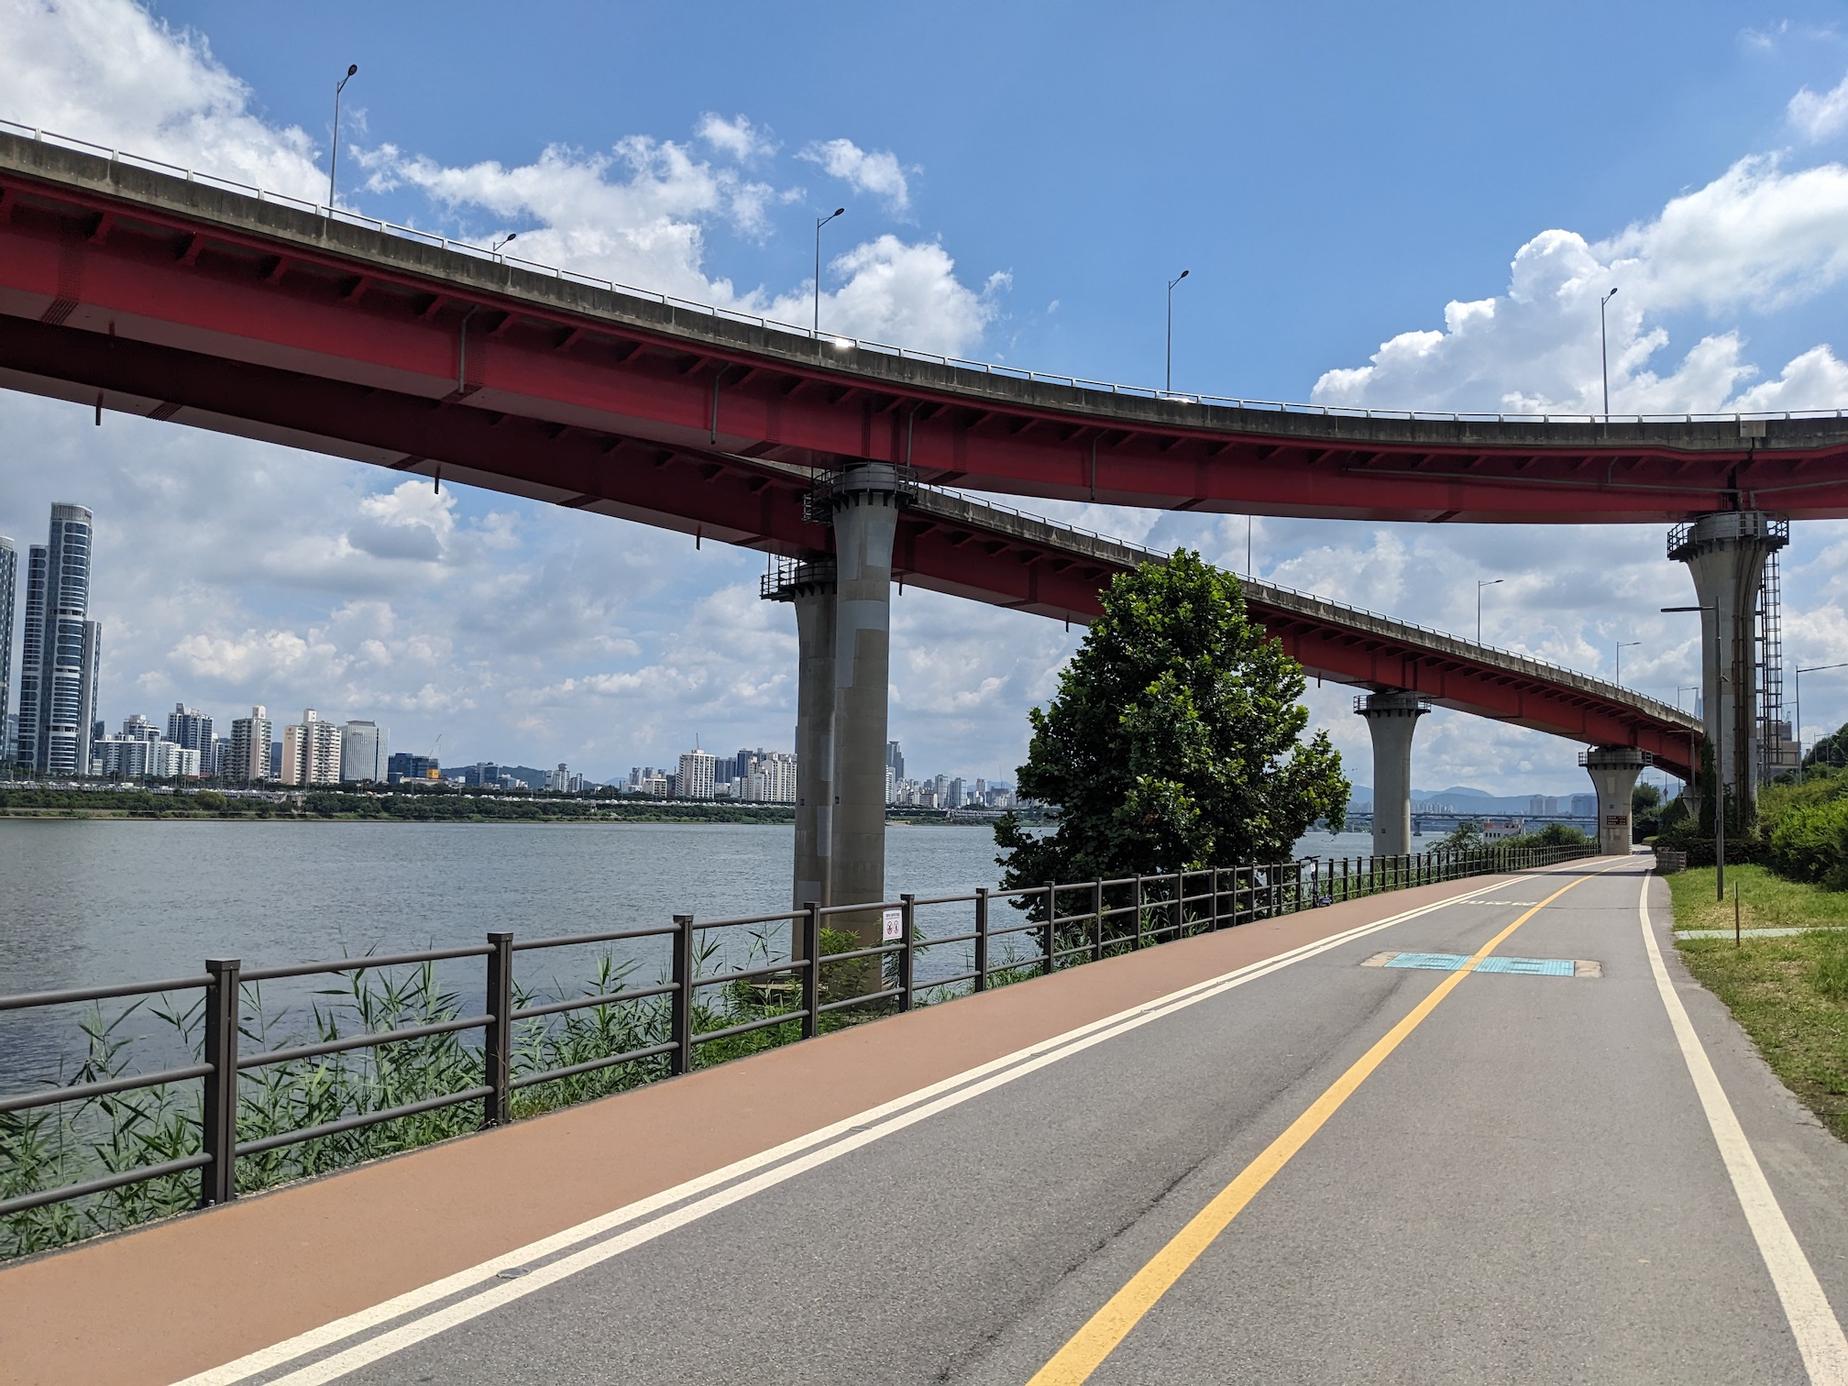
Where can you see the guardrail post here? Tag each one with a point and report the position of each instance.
(810, 926)
(218, 1180)
(497, 1042)
(981, 938)
(907, 955)
(1138, 913)
(1097, 920)
(1180, 903)
(1048, 934)
(681, 1033)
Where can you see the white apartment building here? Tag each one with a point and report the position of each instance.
(311, 751)
(248, 756)
(698, 772)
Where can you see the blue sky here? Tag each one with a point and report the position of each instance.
(1020, 182)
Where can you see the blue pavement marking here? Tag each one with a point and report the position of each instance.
(1534, 967)
(1450, 962)
(1430, 962)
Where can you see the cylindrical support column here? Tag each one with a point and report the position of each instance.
(1391, 717)
(808, 585)
(814, 744)
(1726, 554)
(1613, 771)
(864, 499)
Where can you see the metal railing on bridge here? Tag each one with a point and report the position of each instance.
(796, 995)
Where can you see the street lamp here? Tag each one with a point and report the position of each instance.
(1480, 584)
(1719, 760)
(1803, 669)
(333, 153)
(819, 223)
(1604, 360)
(510, 236)
(1623, 645)
(1169, 387)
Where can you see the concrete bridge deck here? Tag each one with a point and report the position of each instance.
(1255, 1155)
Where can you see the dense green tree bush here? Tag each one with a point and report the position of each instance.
(1173, 742)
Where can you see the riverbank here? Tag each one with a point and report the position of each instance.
(416, 806)
(1790, 990)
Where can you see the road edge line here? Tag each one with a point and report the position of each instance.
(1806, 1306)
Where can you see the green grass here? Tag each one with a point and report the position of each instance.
(1790, 994)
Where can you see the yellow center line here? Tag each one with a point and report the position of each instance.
(1098, 1338)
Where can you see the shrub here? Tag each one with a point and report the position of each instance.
(1810, 843)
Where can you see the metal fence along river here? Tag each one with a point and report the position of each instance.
(1061, 924)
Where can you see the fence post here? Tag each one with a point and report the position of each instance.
(218, 1180)
(981, 938)
(907, 956)
(1180, 904)
(810, 926)
(681, 1029)
(1138, 913)
(1097, 920)
(497, 1042)
(1048, 934)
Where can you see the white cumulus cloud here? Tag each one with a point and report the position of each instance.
(1820, 116)
(878, 173)
(738, 137)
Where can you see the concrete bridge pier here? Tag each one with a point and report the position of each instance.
(1613, 771)
(1391, 717)
(863, 500)
(808, 585)
(1726, 554)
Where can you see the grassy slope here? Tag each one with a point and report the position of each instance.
(1790, 994)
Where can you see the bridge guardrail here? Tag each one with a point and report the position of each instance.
(845, 343)
(1067, 923)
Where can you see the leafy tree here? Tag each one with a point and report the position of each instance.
(1172, 743)
(1645, 810)
(1463, 837)
(1554, 835)
(1831, 750)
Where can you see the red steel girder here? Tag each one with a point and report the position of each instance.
(628, 379)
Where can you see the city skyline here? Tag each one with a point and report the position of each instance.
(317, 750)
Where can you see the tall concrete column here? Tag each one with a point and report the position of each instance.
(809, 586)
(1391, 718)
(1726, 554)
(1613, 771)
(864, 499)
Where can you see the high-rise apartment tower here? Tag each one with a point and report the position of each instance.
(61, 650)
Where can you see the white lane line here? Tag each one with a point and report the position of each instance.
(1813, 1323)
(843, 1133)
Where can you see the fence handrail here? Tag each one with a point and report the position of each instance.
(1256, 891)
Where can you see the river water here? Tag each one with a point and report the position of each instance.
(90, 902)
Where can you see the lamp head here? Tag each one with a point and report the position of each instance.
(352, 69)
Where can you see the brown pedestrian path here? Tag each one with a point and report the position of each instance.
(191, 1293)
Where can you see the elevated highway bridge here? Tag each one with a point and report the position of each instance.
(166, 295)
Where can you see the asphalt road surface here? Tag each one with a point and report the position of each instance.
(1324, 1169)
